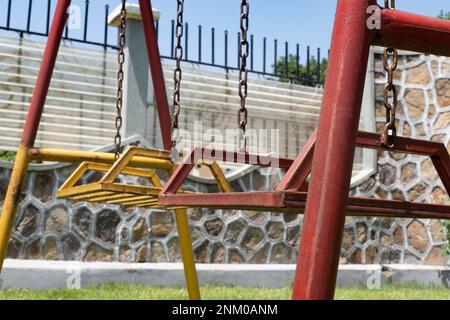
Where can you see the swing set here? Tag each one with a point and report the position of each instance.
(327, 157)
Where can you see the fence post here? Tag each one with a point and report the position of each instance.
(137, 91)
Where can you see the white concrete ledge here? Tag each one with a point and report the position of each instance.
(37, 274)
(133, 12)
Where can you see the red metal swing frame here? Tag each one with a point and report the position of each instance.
(291, 193)
(329, 153)
(334, 146)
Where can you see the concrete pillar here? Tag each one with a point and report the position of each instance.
(138, 93)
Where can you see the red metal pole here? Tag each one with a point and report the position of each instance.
(156, 69)
(45, 74)
(320, 248)
(413, 32)
(31, 125)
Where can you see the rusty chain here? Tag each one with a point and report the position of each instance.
(178, 57)
(389, 4)
(120, 78)
(244, 50)
(390, 62)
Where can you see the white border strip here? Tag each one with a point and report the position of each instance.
(38, 274)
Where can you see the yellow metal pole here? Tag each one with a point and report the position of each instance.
(11, 200)
(222, 182)
(187, 254)
(31, 124)
(77, 156)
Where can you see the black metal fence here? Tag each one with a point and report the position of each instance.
(291, 65)
(46, 6)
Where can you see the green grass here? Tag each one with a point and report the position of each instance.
(140, 292)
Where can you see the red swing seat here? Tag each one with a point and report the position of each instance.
(291, 193)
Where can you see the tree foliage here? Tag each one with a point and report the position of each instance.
(444, 15)
(304, 77)
(7, 155)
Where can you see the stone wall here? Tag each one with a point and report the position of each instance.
(424, 113)
(49, 228)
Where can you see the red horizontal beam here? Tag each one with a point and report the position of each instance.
(232, 200)
(405, 145)
(182, 171)
(241, 157)
(294, 202)
(413, 32)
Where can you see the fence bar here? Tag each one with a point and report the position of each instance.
(49, 8)
(226, 49)
(212, 45)
(264, 54)
(308, 61)
(105, 37)
(286, 59)
(86, 17)
(238, 52)
(297, 62)
(30, 6)
(251, 52)
(172, 40)
(8, 16)
(275, 56)
(186, 41)
(318, 65)
(199, 43)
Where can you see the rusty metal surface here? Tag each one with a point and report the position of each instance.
(323, 226)
(295, 181)
(159, 86)
(182, 171)
(413, 32)
(294, 202)
(404, 145)
(296, 176)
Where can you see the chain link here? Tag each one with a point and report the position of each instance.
(244, 51)
(390, 62)
(120, 78)
(389, 4)
(177, 75)
(179, 31)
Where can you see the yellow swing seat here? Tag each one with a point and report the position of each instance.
(136, 162)
(109, 191)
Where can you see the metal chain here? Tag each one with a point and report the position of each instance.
(179, 31)
(177, 72)
(120, 78)
(389, 4)
(390, 62)
(244, 50)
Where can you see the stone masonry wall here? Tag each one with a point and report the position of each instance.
(54, 229)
